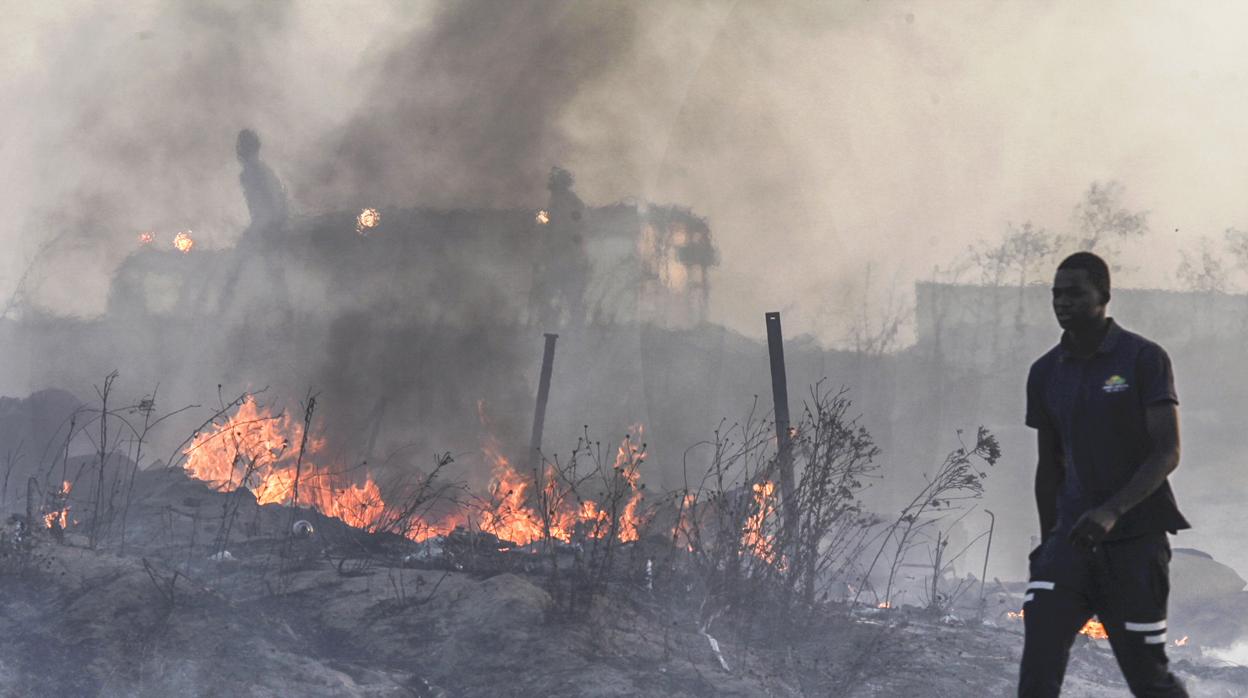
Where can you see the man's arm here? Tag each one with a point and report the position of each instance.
(1162, 421)
(1050, 472)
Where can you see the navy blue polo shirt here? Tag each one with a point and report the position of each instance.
(1096, 406)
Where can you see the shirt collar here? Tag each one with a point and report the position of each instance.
(1108, 342)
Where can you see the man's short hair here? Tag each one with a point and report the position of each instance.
(1097, 269)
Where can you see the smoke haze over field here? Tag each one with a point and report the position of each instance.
(816, 137)
(896, 177)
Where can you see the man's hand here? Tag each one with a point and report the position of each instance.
(1092, 527)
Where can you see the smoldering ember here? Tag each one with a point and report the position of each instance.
(590, 349)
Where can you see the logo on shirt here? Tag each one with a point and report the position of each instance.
(1115, 384)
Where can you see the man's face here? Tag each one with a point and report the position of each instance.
(1076, 302)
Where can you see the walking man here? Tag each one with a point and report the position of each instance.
(1106, 415)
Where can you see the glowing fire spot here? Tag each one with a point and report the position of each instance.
(146, 238)
(509, 515)
(884, 604)
(627, 459)
(184, 242)
(60, 517)
(659, 251)
(514, 510)
(754, 538)
(681, 529)
(259, 451)
(1181, 642)
(368, 219)
(543, 217)
(1095, 630)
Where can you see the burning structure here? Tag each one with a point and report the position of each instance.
(566, 264)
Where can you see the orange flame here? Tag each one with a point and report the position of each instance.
(542, 217)
(509, 515)
(368, 219)
(754, 537)
(627, 461)
(259, 451)
(1181, 642)
(684, 519)
(60, 517)
(513, 515)
(1093, 628)
(184, 242)
(146, 238)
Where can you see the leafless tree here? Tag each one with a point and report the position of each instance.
(876, 327)
(1202, 271)
(1101, 219)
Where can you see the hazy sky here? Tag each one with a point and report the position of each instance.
(818, 138)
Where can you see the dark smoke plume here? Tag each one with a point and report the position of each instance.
(466, 111)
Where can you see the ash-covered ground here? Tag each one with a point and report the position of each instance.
(340, 612)
(183, 587)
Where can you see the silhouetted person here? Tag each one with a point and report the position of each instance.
(266, 203)
(1106, 416)
(266, 197)
(561, 272)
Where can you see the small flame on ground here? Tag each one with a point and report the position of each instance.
(368, 219)
(59, 518)
(884, 604)
(543, 217)
(1093, 628)
(514, 515)
(184, 242)
(1181, 642)
(146, 238)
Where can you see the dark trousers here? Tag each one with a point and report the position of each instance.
(1125, 584)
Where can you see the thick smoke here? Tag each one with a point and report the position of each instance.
(469, 110)
(817, 138)
(122, 121)
(462, 105)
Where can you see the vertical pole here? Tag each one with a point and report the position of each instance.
(543, 393)
(780, 398)
(31, 485)
(983, 576)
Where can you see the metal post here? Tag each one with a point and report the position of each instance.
(983, 577)
(780, 398)
(543, 393)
